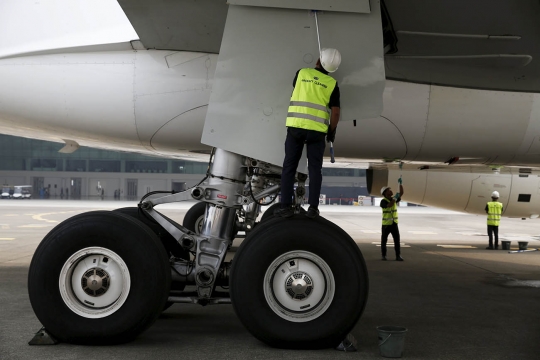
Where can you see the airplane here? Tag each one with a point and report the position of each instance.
(448, 90)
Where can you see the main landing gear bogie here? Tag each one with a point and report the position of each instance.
(103, 277)
(99, 278)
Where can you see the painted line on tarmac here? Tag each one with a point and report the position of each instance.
(7, 239)
(4, 226)
(421, 232)
(35, 225)
(11, 214)
(39, 217)
(371, 231)
(390, 244)
(458, 246)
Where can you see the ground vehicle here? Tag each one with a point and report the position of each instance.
(5, 192)
(22, 192)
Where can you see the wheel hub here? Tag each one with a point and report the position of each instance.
(95, 282)
(299, 286)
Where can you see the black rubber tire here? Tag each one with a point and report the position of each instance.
(168, 241)
(193, 216)
(144, 256)
(269, 213)
(318, 236)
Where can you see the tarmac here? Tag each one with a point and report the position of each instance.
(456, 299)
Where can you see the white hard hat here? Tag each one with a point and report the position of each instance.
(384, 188)
(330, 59)
(495, 194)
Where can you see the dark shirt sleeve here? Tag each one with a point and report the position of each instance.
(334, 97)
(486, 208)
(384, 204)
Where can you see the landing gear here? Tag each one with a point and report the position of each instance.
(99, 278)
(299, 283)
(104, 277)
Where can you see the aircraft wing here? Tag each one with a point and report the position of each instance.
(187, 25)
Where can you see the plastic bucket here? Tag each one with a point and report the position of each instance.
(391, 341)
(523, 245)
(505, 245)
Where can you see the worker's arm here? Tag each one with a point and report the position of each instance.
(385, 204)
(334, 118)
(487, 212)
(401, 191)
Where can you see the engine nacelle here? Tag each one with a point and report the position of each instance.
(464, 190)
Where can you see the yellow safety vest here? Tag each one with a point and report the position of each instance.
(308, 108)
(389, 214)
(494, 213)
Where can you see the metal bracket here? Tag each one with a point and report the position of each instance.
(215, 194)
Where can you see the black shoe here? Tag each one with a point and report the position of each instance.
(399, 258)
(384, 258)
(312, 212)
(489, 248)
(286, 212)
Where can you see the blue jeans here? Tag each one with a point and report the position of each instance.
(294, 145)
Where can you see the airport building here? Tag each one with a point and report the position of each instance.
(93, 173)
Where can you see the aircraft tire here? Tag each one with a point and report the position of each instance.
(269, 213)
(322, 259)
(194, 217)
(99, 278)
(169, 242)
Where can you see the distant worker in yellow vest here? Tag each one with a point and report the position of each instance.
(390, 219)
(313, 114)
(494, 210)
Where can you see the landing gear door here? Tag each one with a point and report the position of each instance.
(264, 44)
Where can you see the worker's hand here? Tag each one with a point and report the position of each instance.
(400, 181)
(331, 135)
(397, 196)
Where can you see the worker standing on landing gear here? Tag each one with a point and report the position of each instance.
(313, 114)
(494, 210)
(390, 219)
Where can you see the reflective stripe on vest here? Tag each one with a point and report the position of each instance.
(389, 214)
(494, 213)
(308, 108)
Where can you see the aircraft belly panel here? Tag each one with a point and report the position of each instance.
(475, 123)
(171, 92)
(524, 198)
(261, 51)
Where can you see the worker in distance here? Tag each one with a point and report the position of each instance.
(494, 210)
(390, 219)
(313, 114)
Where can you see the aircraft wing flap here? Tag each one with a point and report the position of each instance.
(263, 48)
(354, 6)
